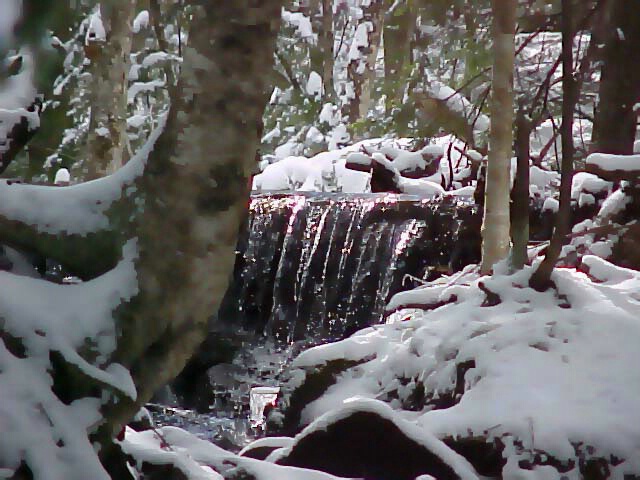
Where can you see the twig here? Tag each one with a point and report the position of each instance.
(344, 29)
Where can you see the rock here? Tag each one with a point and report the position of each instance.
(366, 445)
(142, 421)
(261, 448)
(193, 386)
(316, 382)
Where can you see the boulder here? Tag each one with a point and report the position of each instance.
(365, 444)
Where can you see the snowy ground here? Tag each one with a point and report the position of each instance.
(546, 379)
(549, 376)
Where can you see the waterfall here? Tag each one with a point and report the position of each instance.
(320, 266)
(311, 268)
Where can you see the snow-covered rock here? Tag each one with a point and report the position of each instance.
(535, 375)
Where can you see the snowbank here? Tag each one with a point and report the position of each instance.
(545, 373)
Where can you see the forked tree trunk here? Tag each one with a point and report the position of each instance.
(196, 192)
(495, 226)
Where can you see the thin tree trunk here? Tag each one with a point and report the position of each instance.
(520, 193)
(495, 226)
(107, 140)
(325, 43)
(361, 70)
(398, 33)
(541, 278)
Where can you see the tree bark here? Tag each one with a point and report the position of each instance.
(325, 46)
(520, 193)
(495, 226)
(399, 28)
(361, 70)
(107, 140)
(616, 118)
(541, 278)
(195, 201)
(183, 213)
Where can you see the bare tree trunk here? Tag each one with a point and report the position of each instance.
(616, 118)
(107, 143)
(520, 193)
(361, 70)
(325, 43)
(398, 33)
(541, 278)
(495, 226)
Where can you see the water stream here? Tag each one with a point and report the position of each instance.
(312, 268)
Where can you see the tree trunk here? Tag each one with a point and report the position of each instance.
(196, 201)
(541, 278)
(615, 122)
(495, 226)
(520, 193)
(182, 212)
(398, 34)
(107, 142)
(361, 68)
(325, 44)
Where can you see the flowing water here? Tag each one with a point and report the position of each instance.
(313, 268)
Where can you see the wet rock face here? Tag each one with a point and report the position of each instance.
(366, 445)
(305, 259)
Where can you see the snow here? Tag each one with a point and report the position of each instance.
(584, 182)
(140, 22)
(302, 24)
(200, 459)
(613, 204)
(136, 88)
(272, 442)
(259, 399)
(314, 85)
(155, 58)
(545, 376)
(16, 95)
(95, 31)
(329, 115)
(610, 162)
(306, 174)
(416, 160)
(550, 204)
(542, 182)
(58, 318)
(420, 187)
(77, 209)
(294, 172)
(62, 177)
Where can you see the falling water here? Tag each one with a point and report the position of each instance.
(312, 268)
(323, 266)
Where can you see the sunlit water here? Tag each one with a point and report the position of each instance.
(313, 268)
(228, 422)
